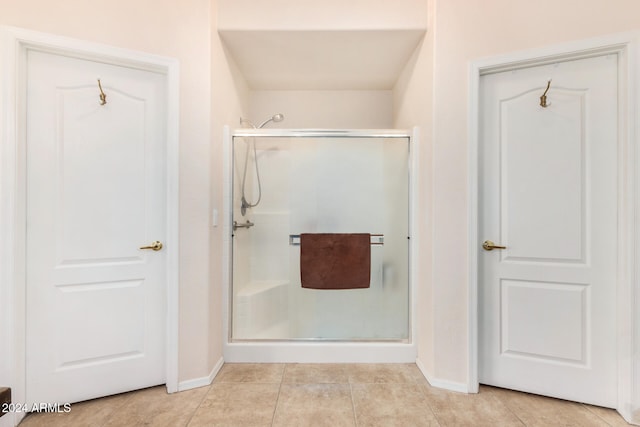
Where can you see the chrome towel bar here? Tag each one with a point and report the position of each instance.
(376, 239)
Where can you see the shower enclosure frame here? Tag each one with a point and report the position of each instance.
(309, 350)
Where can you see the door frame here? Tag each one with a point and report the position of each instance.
(14, 45)
(626, 47)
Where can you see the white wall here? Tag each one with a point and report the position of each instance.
(290, 15)
(229, 101)
(327, 109)
(175, 29)
(413, 106)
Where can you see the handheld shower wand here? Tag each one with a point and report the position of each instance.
(245, 204)
(275, 118)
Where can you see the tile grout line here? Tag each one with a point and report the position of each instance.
(204, 396)
(506, 405)
(111, 414)
(595, 414)
(423, 390)
(353, 404)
(275, 408)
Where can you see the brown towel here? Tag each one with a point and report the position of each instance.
(335, 261)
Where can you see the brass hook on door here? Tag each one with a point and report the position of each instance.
(103, 96)
(543, 98)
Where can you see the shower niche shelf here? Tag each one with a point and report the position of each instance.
(256, 287)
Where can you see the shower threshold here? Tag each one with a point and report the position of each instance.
(319, 352)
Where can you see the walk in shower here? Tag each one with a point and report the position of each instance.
(289, 299)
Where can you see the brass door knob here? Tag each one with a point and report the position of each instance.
(488, 245)
(156, 246)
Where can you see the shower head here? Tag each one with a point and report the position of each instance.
(275, 118)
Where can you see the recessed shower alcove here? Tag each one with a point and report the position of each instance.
(328, 164)
(312, 182)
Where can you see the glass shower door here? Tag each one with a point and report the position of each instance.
(311, 186)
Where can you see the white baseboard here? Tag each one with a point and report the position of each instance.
(420, 366)
(201, 382)
(631, 414)
(444, 384)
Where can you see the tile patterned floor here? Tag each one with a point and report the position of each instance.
(325, 395)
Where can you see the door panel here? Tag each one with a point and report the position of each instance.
(538, 146)
(548, 192)
(533, 328)
(87, 136)
(95, 194)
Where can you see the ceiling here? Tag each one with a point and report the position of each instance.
(321, 60)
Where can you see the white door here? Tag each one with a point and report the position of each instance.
(548, 193)
(96, 317)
